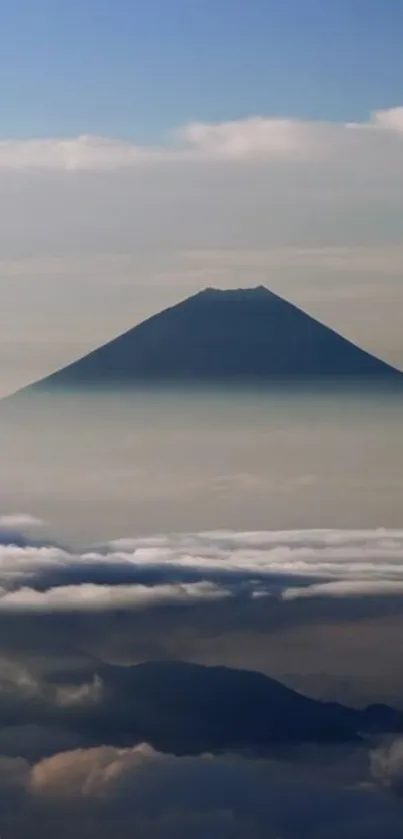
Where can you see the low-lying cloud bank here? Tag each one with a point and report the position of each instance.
(143, 572)
(139, 792)
(322, 602)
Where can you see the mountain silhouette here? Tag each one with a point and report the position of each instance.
(236, 336)
(189, 708)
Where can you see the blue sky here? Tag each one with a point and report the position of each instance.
(138, 68)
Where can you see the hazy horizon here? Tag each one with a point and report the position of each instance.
(125, 462)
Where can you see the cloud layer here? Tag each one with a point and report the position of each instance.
(254, 137)
(143, 793)
(87, 742)
(245, 599)
(189, 568)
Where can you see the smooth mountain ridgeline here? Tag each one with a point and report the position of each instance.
(241, 336)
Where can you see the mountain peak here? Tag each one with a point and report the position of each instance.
(231, 293)
(226, 337)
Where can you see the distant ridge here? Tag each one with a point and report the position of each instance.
(223, 337)
(186, 708)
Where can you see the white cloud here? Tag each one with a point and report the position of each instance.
(387, 765)
(188, 568)
(248, 138)
(20, 521)
(88, 772)
(91, 597)
(391, 119)
(85, 152)
(252, 137)
(347, 588)
(335, 554)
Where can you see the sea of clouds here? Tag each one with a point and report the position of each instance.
(73, 624)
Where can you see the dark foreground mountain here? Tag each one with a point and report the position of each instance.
(223, 337)
(189, 709)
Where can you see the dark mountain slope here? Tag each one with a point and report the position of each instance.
(188, 708)
(223, 337)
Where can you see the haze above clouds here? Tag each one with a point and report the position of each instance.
(97, 233)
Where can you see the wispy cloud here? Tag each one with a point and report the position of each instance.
(20, 521)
